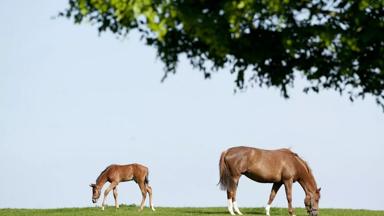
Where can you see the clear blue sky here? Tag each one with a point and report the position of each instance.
(73, 102)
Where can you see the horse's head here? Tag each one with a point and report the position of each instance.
(95, 192)
(311, 202)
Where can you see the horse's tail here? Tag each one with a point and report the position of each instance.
(146, 180)
(225, 174)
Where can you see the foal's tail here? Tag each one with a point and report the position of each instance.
(146, 180)
(225, 174)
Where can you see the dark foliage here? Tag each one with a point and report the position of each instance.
(332, 44)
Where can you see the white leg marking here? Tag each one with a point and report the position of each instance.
(237, 210)
(230, 207)
(103, 204)
(267, 208)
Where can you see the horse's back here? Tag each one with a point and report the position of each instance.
(262, 165)
(126, 172)
(238, 158)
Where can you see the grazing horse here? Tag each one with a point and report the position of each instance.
(279, 167)
(121, 173)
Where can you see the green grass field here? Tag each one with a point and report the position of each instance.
(162, 211)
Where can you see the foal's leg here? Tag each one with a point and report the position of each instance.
(149, 190)
(275, 188)
(115, 196)
(288, 192)
(143, 194)
(106, 192)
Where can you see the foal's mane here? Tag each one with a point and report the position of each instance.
(102, 173)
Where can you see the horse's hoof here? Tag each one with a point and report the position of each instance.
(102, 208)
(153, 209)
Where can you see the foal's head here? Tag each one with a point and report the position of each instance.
(312, 203)
(95, 192)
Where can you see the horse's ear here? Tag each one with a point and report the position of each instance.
(92, 185)
(319, 189)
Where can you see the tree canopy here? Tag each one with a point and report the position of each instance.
(333, 44)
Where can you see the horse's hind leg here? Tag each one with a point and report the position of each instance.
(275, 188)
(143, 194)
(235, 207)
(115, 196)
(230, 203)
(149, 190)
(231, 195)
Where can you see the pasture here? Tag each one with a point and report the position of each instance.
(165, 211)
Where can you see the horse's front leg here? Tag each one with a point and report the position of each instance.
(106, 192)
(115, 196)
(288, 192)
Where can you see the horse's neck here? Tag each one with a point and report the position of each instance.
(101, 180)
(308, 183)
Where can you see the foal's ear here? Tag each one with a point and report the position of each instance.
(319, 189)
(92, 185)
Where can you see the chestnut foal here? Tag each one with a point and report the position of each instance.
(121, 173)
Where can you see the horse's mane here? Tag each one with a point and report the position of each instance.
(308, 169)
(298, 158)
(304, 162)
(102, 173)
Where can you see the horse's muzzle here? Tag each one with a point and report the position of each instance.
(94, 200)
(314, 212)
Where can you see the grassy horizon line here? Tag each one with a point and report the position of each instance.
(177, 211)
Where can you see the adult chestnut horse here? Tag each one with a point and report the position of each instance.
(121, 173)
(280, 167)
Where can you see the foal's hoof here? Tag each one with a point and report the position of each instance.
(153, 209)
(102, 208)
